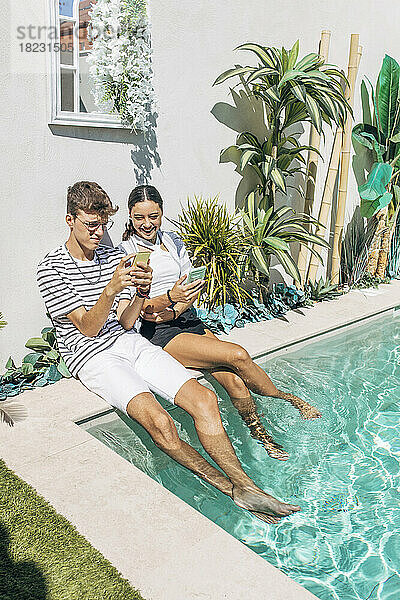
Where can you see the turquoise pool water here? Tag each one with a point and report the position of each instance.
(343, 471)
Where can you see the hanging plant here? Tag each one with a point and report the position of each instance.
(120, 61)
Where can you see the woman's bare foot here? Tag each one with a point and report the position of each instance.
(258, 433)
(306, 410)
(257, 501)
(274, 450)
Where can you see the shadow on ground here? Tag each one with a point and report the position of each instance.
(19, 580)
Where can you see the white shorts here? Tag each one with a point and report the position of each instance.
(131, 366)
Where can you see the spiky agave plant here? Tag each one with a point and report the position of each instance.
(355, 248)
(213, 238)
(270, 233)
(293, 91)
(322, 290)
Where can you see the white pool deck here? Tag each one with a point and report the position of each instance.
(165, 548)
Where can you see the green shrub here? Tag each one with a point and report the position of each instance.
(213, 238)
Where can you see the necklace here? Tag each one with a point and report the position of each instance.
(93, 282)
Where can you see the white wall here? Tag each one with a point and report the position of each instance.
(193, 43)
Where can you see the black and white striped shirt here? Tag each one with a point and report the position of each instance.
(67, 284)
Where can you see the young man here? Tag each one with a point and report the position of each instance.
(94, 297)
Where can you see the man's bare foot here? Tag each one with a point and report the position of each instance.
(306, 410)
(266, 518)
(257, 501)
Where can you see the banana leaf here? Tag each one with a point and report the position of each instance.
(369, 208)
(387, 94)
(366, 109)
(368, 135)
(373, 192)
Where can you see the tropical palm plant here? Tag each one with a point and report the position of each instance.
(269, 233)
(377, 143)
(213, 238)
(293, 91)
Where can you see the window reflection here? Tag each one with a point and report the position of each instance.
(67, 90)
(86, 100)
(74, 50)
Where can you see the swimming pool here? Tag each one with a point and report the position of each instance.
(343, 471)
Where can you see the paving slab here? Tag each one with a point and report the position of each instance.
(164, 547)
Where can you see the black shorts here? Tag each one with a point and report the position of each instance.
(162, 333)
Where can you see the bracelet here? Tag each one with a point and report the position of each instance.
(169, 298)
(174, 311)
(141, 294)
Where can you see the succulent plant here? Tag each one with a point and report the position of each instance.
(322, 290)
(42, 366)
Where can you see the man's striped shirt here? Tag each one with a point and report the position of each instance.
(67, 284)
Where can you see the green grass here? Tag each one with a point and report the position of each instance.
(43, 557)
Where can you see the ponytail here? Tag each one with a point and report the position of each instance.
(129, 230)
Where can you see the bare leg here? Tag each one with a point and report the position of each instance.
(202, 405)
(145, 409)
(208, 352)
(247, 409)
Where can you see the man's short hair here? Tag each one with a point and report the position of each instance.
(89, 197)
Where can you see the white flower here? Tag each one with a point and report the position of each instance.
(121, 55)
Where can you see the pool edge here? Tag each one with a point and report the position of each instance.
(54, 455)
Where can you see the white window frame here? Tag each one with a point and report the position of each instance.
(59, 117)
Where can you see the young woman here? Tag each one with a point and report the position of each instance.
(169, 321)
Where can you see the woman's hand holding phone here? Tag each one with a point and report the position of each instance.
(182, 292)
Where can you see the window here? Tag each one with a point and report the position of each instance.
(72, 98)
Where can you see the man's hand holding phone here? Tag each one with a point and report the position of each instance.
(122, 276)
(141, 272)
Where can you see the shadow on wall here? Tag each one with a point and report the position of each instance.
(247, 114)
(23, 580)
(145, 155)
(144, 146)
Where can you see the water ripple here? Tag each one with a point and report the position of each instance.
(344, 469)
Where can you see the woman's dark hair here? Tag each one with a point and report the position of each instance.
(140, 193)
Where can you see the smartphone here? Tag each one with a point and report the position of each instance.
(196, 273)
(140, 256)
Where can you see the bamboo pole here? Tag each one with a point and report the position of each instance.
(326, 202)
(354, 61)
(312, 163)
